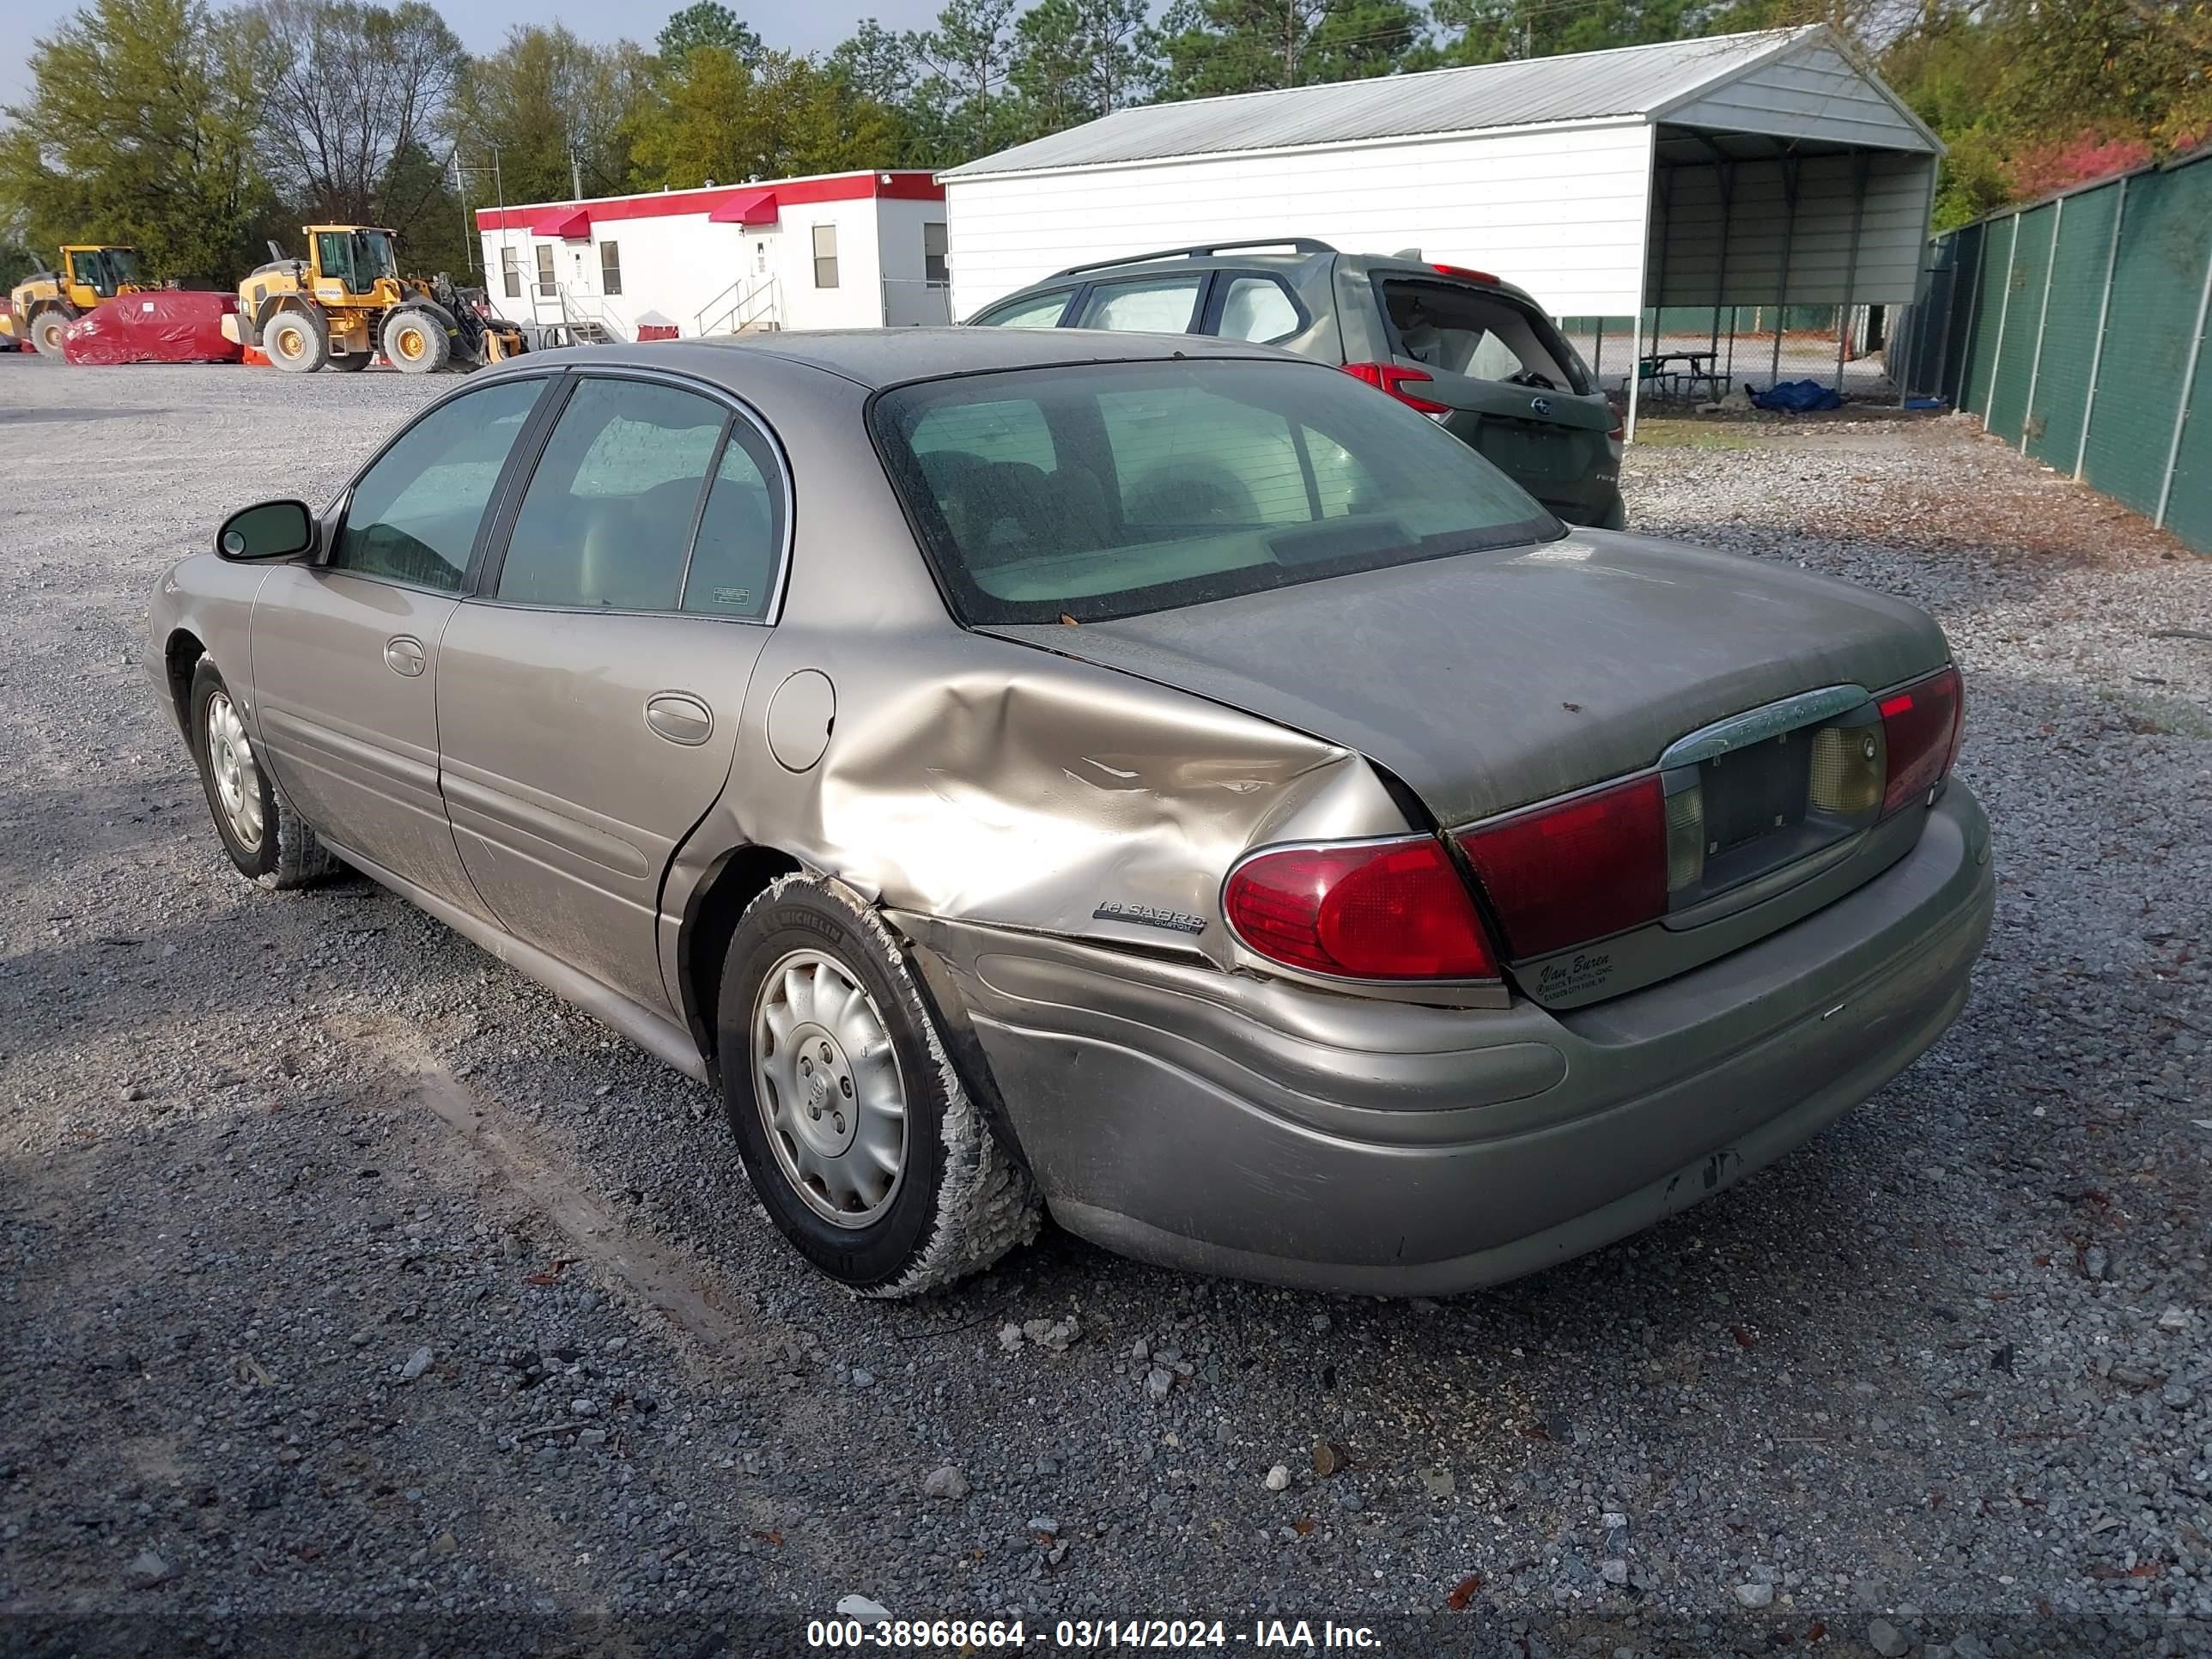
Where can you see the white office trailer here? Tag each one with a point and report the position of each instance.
(1772, 169)
(846, 250)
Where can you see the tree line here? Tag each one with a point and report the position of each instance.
(198, 132)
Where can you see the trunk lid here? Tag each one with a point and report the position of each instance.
(1487, 681)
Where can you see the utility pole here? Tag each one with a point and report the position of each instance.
(576, 173)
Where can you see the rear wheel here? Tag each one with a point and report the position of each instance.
(299, 340)
(416, 342)
(863, 1143)
(47, 329)
(267, 842)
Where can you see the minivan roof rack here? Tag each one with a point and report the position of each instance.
(1296, 244)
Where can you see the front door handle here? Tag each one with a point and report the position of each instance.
(403, 655)
(679, 717)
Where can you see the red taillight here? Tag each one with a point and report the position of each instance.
(1394, 378)
(1591, 865)
(1620, 432)
(1462, 270)
(1394, 910)
(1921, 727)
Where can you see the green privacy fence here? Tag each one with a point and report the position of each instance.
(2075, 329)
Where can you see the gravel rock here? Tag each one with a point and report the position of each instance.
(1885, 1639)
(946, 1482)
(287, 1188)
(860, 1608)
(1278, 1478)
(418, 1363)
(1756, 1594)
(1159, 1381)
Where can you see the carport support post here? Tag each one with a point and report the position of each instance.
(2042, 316)
(2104, 309)
(1635, 369)
(1724, 174)
(2188, 387)
(1850, 265)
(1789, 235)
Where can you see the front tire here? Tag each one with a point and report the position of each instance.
(416, 342)
(298, 341)
(267, 842)
(862, 1142)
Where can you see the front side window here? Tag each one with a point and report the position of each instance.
(825, 256)
(1160, 306)
(1113, 489)
(1038, 311)
(414, 514)
(89, 270)
(935, 268)
(546, 285)
(607, 521)
(610, 268)
(1257, 308)
(510, 270)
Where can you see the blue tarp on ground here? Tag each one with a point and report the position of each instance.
(1798, 396)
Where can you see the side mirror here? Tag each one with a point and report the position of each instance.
(273, 529)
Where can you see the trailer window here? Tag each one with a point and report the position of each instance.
(510, 270)
(610, 268)
(546, 285)
(825, 256)
(933, 246)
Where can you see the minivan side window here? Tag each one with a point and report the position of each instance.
(414, 514)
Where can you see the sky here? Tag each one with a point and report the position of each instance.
(789, 25)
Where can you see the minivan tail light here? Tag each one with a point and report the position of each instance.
(1579, 869)
(1396, 909)
(1395, 378)
(1921, 727)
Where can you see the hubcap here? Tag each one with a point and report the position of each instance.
(411, 343)
(237, 780)
(289, 342)
(828, 1090)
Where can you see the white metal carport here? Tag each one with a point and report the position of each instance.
(1771, 169)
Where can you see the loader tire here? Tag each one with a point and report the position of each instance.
(416, 342)
(46, 330)
(297, 340)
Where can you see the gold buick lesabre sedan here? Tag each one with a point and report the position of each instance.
(1159, 781)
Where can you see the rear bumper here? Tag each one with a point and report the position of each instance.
(1243, 1126)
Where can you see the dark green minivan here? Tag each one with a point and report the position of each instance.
(1474, 353)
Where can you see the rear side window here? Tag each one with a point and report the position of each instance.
(740, 546)
(1113, 489)
(1038, 311)
(1465, 330)
(414, 514)
(607, 519)
(1162, 305)
(1257, 308)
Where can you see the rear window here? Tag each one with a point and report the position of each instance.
(1113, 489)
(1464, 330)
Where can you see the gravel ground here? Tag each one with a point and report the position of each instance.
(346, 1273)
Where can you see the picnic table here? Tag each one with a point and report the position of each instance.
(1680, 383)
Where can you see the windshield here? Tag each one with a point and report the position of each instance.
(123, 269)
(1112, 489)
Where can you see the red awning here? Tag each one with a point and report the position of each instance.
(757, 209)
(569, 222)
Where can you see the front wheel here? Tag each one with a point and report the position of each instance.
(416, 342)
(862, 1142)
(267, 842)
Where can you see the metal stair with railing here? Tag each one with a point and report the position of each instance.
(590, 319)
(751, 305)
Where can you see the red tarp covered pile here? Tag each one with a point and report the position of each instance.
(166, 326)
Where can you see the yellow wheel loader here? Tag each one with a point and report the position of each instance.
(43, 305)
(346, 300)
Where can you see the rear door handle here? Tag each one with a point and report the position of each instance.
(403, 655)
(679, 717)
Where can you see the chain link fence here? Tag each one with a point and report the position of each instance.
(2075, 329)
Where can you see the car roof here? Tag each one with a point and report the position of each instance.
(875, 358)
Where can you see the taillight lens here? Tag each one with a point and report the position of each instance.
(1394, 910)
(1921, 726)
(1462, 270)
(1395, 378)
(1594, 864)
